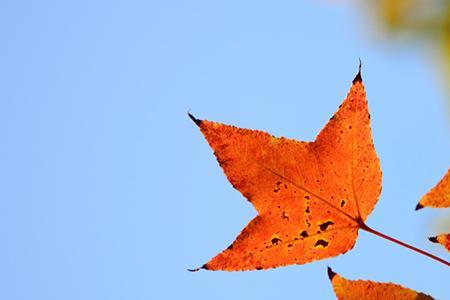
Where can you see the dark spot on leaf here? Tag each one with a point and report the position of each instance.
(275, 190)
(290, 245)
(222, 162)
(307, 197)
(321, 243)
(284, 216)
(342, 203)
(275, 241)
(325, 225)
(304, 234)
(258, 268)
(307, 210)
(230, 247)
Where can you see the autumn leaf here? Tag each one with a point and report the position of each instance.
(370, 290)
(438, 196)
(311, 197)
(443, 239)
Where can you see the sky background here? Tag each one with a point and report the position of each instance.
(109, 191)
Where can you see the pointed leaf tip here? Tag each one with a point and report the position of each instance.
(439, 195)
(419, 206)
(358, 77)
(443, 239)
(198, 269)
(194, 270)
(433, 239)
(330, 272)
(195, 120)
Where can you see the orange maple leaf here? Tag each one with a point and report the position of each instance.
(370, 290)
(311, 197)
(443, 239)
(438, 196)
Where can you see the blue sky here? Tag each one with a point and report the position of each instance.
(109, 191)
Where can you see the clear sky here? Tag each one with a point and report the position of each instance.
(109, 191)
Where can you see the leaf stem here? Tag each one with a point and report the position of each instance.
(363, 226)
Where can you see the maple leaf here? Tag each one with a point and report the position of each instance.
(438, 196)
(311, 197)
(370, 290)
(443, 239)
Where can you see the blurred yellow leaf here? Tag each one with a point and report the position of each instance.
(418, 20)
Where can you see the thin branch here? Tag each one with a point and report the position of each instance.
(363, 226)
